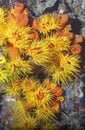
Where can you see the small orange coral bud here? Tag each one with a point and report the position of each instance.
(57, 91)
(75, 48)
(63, 19)
(22, 20)
(35, 24)
(78, 39)
(40, 96)
(13, 51)
(19, 7)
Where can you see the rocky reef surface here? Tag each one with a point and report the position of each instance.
(72, 114)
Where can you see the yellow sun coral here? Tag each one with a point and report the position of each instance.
(2, 35)
(12, 90)
(39, 51)
(31, 122)
(36, 56)
(2, 16)
(44, 113)
(49, 126)
(19, 114)
(18, 36)
(17, 68)
(58, 44)
(19, 108)
(69, 66)
(3, 75)
(43, 96)
(34, 92)
(47, 23)
(29, 85)
(2, 59)
(30, 98)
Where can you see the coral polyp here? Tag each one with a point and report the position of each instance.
(47, 23)
(17, 35)
(39, 52)
(58, 43)
(68, 68)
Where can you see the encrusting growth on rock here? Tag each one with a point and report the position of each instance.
(38, 55)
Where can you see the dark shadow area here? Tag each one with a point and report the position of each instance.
(22, 1)
(83, 89)
(76, 26)
(65, 127)
(82, 58)
(53, 8)
(82, 100)
(68, 7)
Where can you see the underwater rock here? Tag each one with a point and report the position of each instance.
(73, 106)
(39, 6)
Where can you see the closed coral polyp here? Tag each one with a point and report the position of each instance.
(63, 19)
(76, 48)
(57, 91)
(22, 20)
(13, 51)
(19, 7)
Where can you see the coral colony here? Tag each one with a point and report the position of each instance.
(37, 56)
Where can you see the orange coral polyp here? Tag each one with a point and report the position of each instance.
(19, 7)
(56, 105)
(13, 51)
(63, 19)
(70, 35)
(35, 24)
(78, 39)
(22, 20)
(75, 48)
(57, 91)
